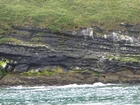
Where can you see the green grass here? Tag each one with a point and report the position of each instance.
(2, 64)
(43, 73)
(3, 40)
(34, 73)
(2, 71)
(129, 59)
(95, 74)
(67, 14)
(126, 58)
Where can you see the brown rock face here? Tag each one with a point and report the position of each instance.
(126, 77)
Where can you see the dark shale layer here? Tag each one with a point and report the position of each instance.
(92, 49)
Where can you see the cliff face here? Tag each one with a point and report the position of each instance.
(88, 48)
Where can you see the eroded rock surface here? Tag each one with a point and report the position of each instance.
(89, 48)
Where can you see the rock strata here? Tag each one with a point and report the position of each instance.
(85, 49)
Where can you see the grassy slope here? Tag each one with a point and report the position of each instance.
(68, 14)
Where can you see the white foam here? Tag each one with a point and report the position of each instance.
(22, 87)
(98, 84)
(16, 87)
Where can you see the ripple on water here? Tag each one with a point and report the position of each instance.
(73, 94)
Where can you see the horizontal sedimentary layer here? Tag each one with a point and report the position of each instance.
(36, 49)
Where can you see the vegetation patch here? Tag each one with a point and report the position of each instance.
(36, 39)
(67, 14)
(95, 74)
(76, 71)
(129, 59)
(2, 64)
(41, 34)
(2, 73)
(34, 73)
(42, 73)
(4, 40)
(125, 58)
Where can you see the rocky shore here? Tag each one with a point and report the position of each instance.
(88, 77)
(114, 55)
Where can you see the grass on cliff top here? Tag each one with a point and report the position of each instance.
(67, 14)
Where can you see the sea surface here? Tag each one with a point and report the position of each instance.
(95, 94)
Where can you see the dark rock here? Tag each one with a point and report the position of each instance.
(71, 49)
(21, 68)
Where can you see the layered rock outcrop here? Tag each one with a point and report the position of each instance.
(89, 48)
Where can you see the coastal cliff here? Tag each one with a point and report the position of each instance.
(114, 56)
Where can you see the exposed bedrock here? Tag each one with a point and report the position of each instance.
(89, 48)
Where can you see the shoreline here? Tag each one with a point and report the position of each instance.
(96, 84)
(123, 77)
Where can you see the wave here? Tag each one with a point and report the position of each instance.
(24, 87)
(98, 84)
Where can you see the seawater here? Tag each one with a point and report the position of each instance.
(95, 94)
